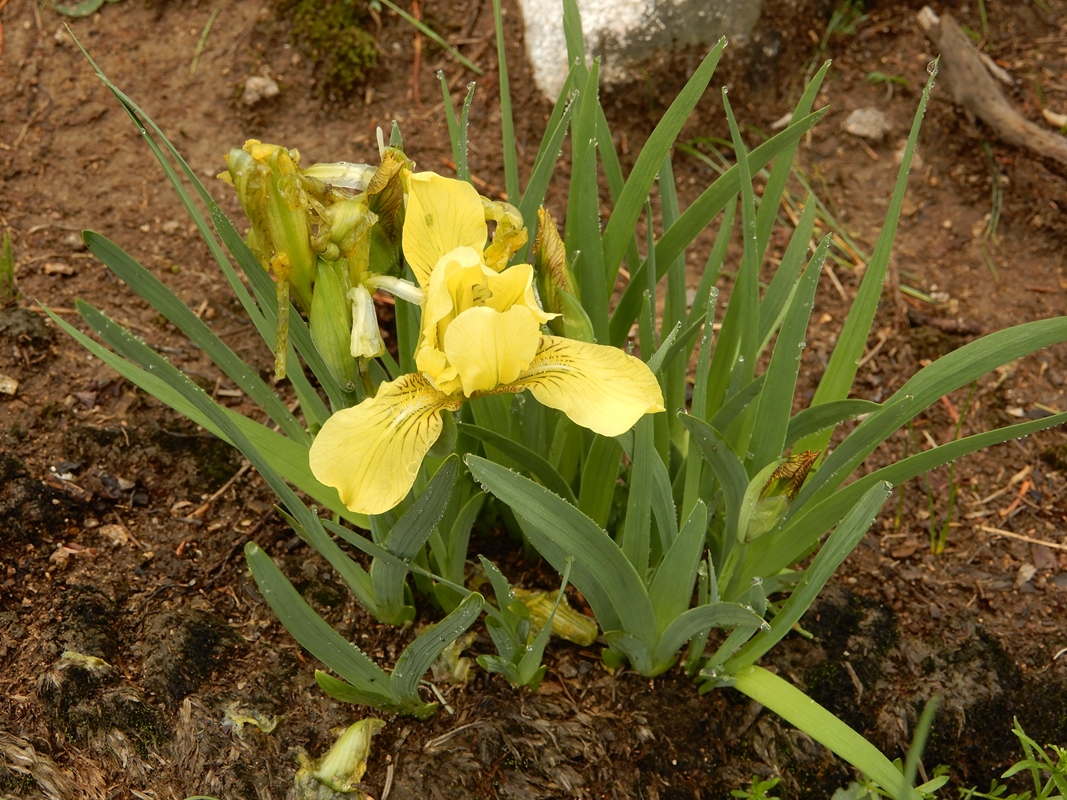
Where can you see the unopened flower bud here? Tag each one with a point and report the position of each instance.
(330, 321)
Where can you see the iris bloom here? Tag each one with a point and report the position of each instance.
(481, 334)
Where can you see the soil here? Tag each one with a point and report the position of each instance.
(121, 524)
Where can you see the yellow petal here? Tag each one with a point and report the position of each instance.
(442, 214)
(513, 287)
(371, 453)
(489, 349)
(600, 388)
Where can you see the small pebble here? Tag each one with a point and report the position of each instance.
(867, 123)
(259, 88)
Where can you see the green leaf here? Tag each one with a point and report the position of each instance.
(671, 590)
(695, 219)
(158, 377)
(631, 201)
(406, 539)
(540, 468)
(530, 670)
(166, 303)
(507, 125)
(826, 415)
(599, 476)
(797, 536)
(838, 546)
(776, 399)
(347, 693)
(802, 712)
(637, 527)
(841, 370)
(558, 530)
(547, 155)
(771, 198)
(313, 633)
(783, 285)
(419, 656)
(582, 233)
(948, 373)
(727, 466)
(699, 619)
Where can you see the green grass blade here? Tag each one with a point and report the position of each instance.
(457, 128)
(419, 656)
(292, 457)
(798, 535)
(694, 465)
(572, 32)
(507, 124)
(783, 285)
(454, 556)
(771, 198)
(838, 545)
(152, 290)
(406, 540)
(312, 631)
(314, 411)
(706, 292)
(599, 477)
(841, 370)
(582, 233)
(631, 201)
(696, 218)
(545, 164)
(776, 399)
(539, 467)
(637, 527)
(816, 418)
(802, 712)
(950, 372)
(725, 464)
(558, 530)
(671, 589)
(426, 30)
(303, 519)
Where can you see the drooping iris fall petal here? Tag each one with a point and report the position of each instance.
(372, 452)
(600, 388)
(442, 215)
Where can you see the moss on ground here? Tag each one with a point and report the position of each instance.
(333, 34)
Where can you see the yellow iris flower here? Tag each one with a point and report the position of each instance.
(481, 334)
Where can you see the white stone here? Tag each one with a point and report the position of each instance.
(867, 123)
(625, 32)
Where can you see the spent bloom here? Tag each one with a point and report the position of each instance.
(481, 334)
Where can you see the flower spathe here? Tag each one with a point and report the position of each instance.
(481, 334)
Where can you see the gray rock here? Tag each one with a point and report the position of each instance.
(627, 32)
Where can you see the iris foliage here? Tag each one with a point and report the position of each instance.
(684, 531)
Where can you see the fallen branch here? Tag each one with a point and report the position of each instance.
(976, 90)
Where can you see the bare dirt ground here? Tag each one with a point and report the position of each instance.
(121, 525)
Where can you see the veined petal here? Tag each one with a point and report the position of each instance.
(599, 387)
(488, 348)
(372, 452)
(442, 214)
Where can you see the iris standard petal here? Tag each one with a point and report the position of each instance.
(489, 349)
(372, 452)
(600, 388)
(442, 214)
